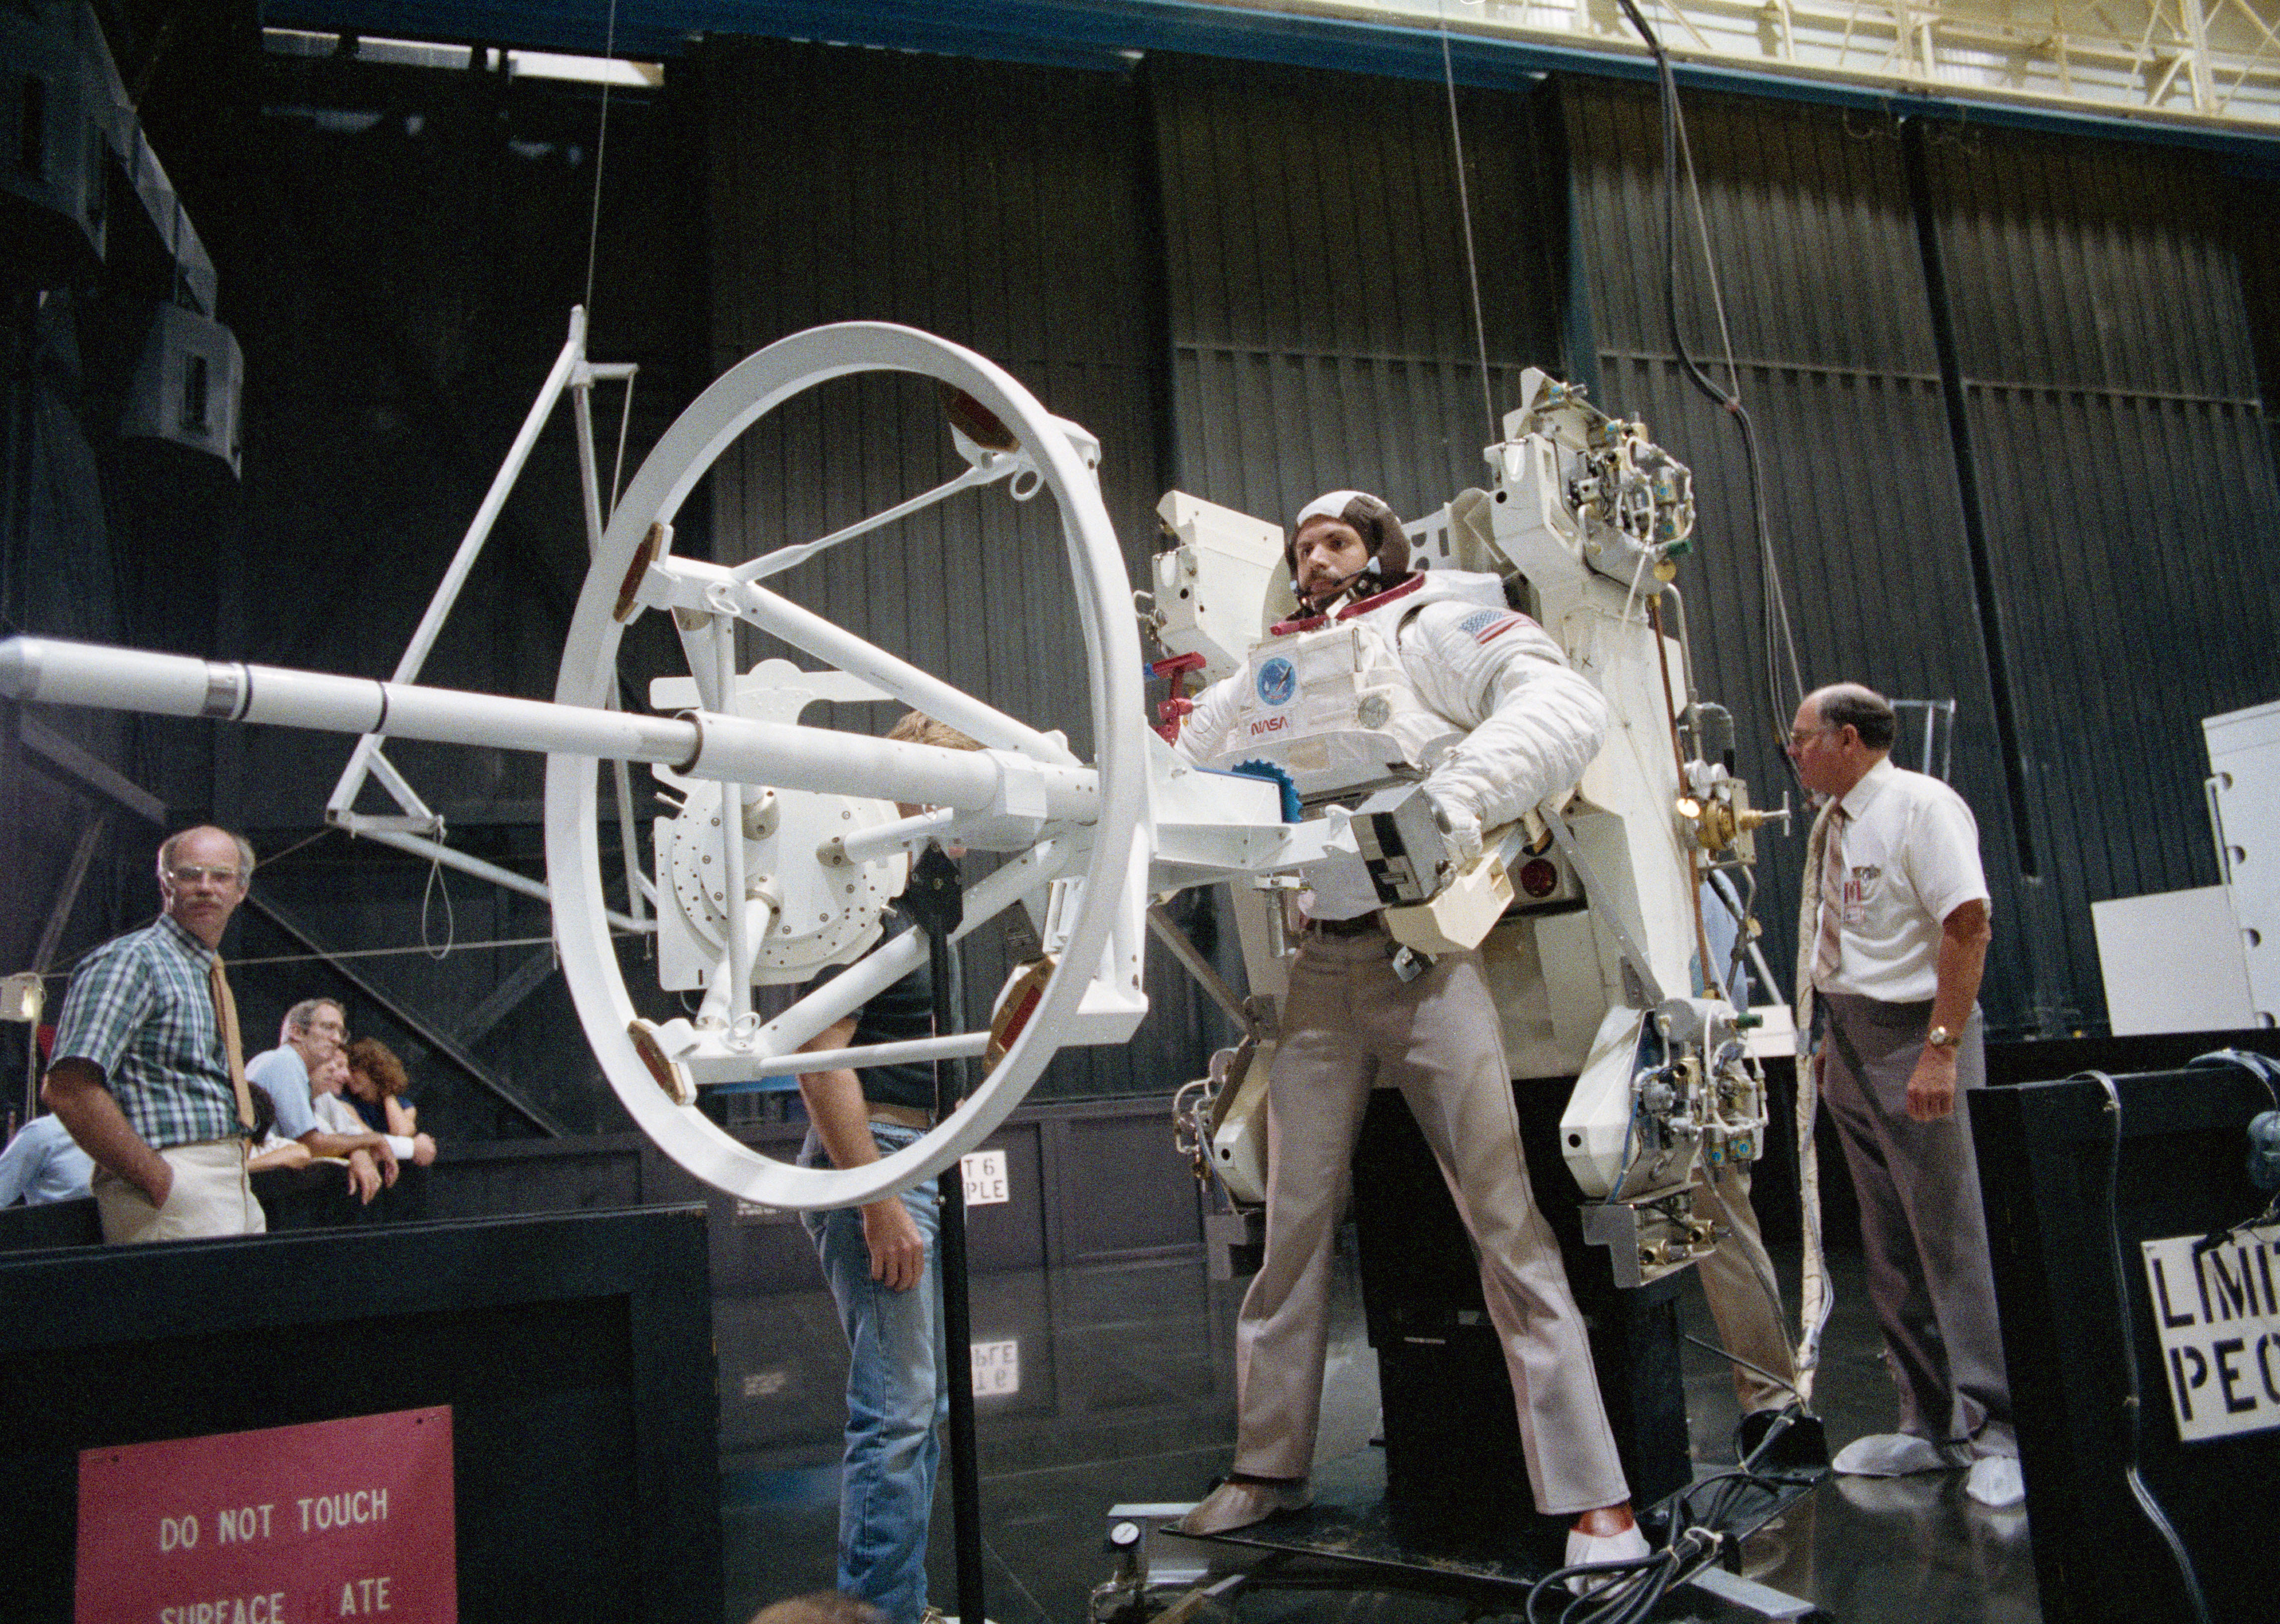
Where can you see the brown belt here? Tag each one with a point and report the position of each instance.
(1368, 924)
(900, 1116)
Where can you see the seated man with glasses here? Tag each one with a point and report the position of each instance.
(313, 1032)
(148, 1075)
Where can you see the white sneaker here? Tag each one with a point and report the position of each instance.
(1995, 1481)
(1236, 1504)
(1890, 1454)
(1582, 1548)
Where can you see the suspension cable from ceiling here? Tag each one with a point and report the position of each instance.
(601, 151)
(1780, 642)
(1465, 214)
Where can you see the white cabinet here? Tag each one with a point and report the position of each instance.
(2244, 747)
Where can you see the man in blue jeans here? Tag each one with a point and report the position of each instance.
(881, 1263)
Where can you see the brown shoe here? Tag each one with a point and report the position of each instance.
(1238, 1503)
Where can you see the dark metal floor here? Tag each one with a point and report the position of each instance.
(1120, 1387)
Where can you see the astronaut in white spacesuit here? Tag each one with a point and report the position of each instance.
(1478, 697)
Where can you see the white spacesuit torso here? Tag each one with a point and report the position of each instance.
(1434, 679)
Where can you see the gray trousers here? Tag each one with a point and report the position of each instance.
(1921, 1224)
(1348, 1024)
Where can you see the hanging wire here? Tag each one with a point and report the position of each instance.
(1710, 265)
(436, 882)
(625, 421)
(1465, 213)
(64, 973)
(1782, 673)
(271, 862)
(601, 150)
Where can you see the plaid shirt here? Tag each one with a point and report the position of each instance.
(141, 1010)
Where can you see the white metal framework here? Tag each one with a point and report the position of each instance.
(415, 827)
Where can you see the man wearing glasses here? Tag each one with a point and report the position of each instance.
(148, 1075)
(1891, 940)
(313, 1032)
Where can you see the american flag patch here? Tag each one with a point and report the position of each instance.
(1490, 623)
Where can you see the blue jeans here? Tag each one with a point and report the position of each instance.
(898, 1395)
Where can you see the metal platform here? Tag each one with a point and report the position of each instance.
(1353, 1537)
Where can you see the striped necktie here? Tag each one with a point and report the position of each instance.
(1829, 943)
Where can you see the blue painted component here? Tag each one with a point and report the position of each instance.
(1274, 775)
(783, 1082)
(1278, 681)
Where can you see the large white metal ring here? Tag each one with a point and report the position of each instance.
(589, 962)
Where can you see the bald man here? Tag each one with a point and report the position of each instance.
(1892, 940)
(143, 1077)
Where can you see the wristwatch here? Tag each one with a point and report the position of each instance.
(1940, 1037)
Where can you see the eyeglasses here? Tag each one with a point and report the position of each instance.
(191, 874)
(1799, 738)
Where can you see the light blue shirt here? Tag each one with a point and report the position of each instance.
(283, 1072)
(43, 1163)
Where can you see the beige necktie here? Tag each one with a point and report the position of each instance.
(225, 1014)
(1813, 920)
(1829, 943)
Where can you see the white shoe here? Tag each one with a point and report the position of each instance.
(1584, 1550)
(1888, 1454)
(1236, 1505)
(1995, 1481)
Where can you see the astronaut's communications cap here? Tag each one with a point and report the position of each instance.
(1377, 524)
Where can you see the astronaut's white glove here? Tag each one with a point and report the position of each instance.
(1459, 823)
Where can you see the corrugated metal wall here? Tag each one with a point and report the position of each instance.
(1002, 207)
(2126, 511)
(2132, 522)
(1808, 213)
(1319, 315)
(398, 256)
(1250, 283)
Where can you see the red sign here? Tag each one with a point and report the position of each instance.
(290, 1524)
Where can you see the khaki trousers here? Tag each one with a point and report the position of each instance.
(211, 1195)
(1750, 1321)
(1349, 1023)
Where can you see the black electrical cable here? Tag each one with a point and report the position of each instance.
(1774, 612)
(1776, 708)
(2134, 1406)
(1630, 1591)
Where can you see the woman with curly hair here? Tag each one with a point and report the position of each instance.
(375, 1081)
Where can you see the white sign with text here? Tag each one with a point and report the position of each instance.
(2217, 1311)
(986, 1183)
(996, 1367)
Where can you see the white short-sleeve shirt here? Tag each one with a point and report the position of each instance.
(1911, 852)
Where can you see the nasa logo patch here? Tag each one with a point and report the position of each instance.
(1278, 680)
